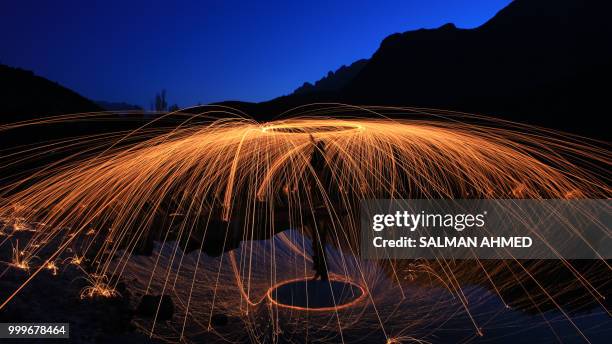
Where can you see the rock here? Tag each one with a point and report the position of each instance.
(149, 304)
(219, 320)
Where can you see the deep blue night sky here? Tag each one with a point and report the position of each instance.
(205, 51)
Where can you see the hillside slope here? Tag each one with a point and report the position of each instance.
(543, 62)
(24, 95)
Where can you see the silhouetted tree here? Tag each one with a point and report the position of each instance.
(160, 101)
(173, 107)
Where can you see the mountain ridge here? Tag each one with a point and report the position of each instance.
(334, 80)
(25, 95)
(540, 62)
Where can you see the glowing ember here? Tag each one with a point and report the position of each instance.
(98, 290)
(51, 266)
(20, 259)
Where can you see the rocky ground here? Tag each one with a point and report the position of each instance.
(54, 295)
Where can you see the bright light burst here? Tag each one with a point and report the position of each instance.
(221, 181)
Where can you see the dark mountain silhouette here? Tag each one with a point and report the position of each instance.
(333, 81)
(117, 106)
(544, 62)
(24, 95)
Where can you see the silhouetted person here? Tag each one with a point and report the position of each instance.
(320, 226)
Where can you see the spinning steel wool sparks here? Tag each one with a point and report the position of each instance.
(219, 185)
